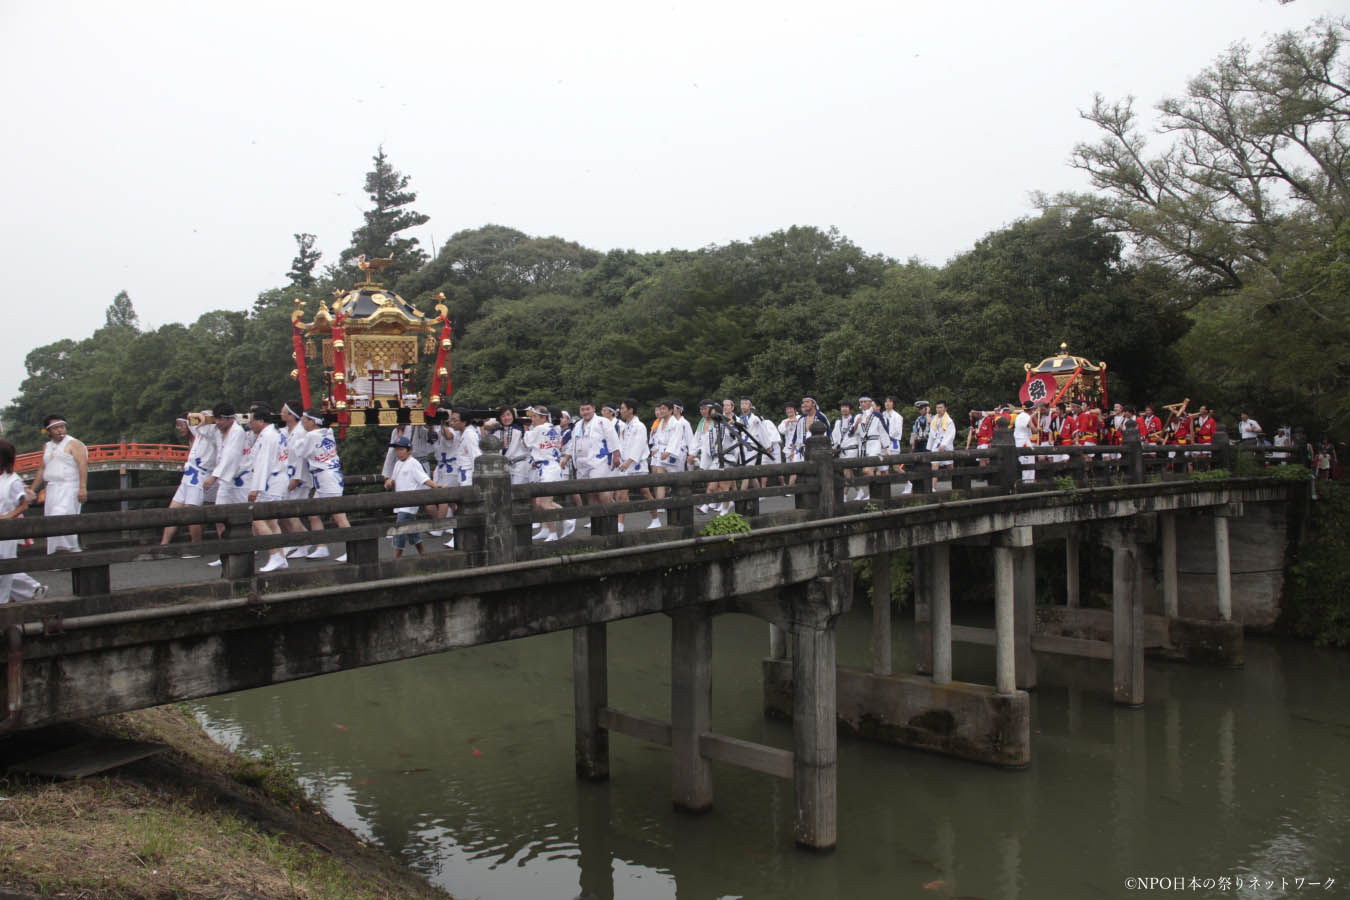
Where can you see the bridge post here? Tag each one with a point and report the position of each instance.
(1005, 666)
(89, 581)
(691, 706)
(1022, 555)
(1005, 454)
(1225, 456)
(940, 609)
(1223, 566)
(778, 648)
(881, 614)
(681, 517)
(815, 739)
(238, 566)
(820, 454)
(1127, 616)
(1134, 453)
(924, 566)
(1167, 536)
(495, 539)
(590, 694)
(1072, 583)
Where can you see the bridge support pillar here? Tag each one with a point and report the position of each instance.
(690, 706)
(1127, 617)
(815, 739)
(940, 610)
(923, 612)
(1005, 679)
(1024, 605)
(590, 692)
(778, 648)
(881, 614)
(1168, 538)
(1223, 567)
(1072, 582)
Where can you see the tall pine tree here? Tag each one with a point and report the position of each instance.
(302, 267)
(387, 188)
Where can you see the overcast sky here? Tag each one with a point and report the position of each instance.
(172, 149)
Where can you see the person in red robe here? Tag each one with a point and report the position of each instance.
(1205, 427)
(1151, 427)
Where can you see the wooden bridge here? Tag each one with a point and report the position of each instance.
(110, 650)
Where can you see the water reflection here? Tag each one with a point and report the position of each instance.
(461, 764)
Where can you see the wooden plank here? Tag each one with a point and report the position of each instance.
(757, 757)
(643, 728)
(1067, 646)
(88, 758)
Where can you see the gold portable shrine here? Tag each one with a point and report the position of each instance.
(369, 344)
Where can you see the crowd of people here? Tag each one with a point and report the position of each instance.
(292, 454)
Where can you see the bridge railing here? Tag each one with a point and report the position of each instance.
(494, 518)
(125, 451)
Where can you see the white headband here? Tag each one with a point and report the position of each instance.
(54, 422)
(286, 408)
(312, 418)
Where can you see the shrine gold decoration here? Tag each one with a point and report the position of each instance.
(388, 417)
(382, 352)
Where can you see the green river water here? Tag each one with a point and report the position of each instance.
(461, 765)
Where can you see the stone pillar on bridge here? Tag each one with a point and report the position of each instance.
(923, 610)
(1021, 541)
(1167, 537)
(821, 455)
(1072, 580)
(815, 739)
(881, 614)
(690, 706)
(1005, 668)
(590, 693)
(1127, 614)
(1223, 560)
(940, 611)
(494, 541)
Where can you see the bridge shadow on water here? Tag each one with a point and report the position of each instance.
(462, 765)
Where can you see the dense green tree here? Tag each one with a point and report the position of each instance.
(301, 274)
(390, 214)
(120, 313)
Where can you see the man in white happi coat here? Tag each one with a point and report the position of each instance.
(324, 466)
(941, 435)
(633, 449)
(65, 469)
(668, 450)
(1024, 435)
(895, 427)
(544, 441)
(196, 469)
(13, 502)
(292, 457)
(686, 438)
(269, 482)
(456, 449)
(230, 477)
(872, 438)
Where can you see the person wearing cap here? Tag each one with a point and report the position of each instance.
(197, 467)
(324, 467)
(65, 468)
(422, 439)
(407, 475)
(918, 436)
(544, 442)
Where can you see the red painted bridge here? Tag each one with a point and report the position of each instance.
(118, 457)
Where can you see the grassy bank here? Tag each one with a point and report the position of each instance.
(196, 822)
